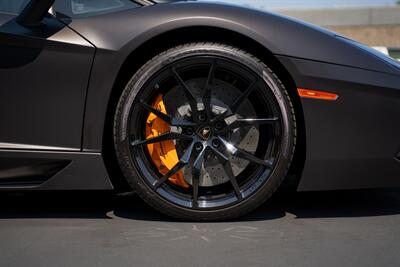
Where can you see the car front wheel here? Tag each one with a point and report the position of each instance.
(205, 131)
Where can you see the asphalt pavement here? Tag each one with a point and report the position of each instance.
(344, 228)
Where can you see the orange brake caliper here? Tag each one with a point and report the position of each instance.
(163, 154)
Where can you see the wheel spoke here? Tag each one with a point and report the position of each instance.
(229, 172)
(221, 157)
(246, 122)
(238, 103)
(184, 161)
(172, 172)
(231, 176)
(182, 123)
(239, 153)
(165, 117)
(196, 172)
(207, 90)
(161, 138)
(188, 93)
(195, 185)
(250, 157)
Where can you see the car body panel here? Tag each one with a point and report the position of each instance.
(136, 26)
(42, 98)
(350, 143)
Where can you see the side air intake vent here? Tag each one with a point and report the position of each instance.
(28, 172)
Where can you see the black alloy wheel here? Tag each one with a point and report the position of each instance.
(231, 122)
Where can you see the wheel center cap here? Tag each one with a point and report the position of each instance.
(205, 132)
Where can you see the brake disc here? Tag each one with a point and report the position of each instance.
(246, 138)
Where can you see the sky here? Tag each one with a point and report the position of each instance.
(271, 4)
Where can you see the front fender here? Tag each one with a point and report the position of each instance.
(117, 35)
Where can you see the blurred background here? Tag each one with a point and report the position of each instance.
(375, 23)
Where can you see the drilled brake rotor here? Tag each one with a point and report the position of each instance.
(246, 138)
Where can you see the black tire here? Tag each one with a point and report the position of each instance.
(127, 120)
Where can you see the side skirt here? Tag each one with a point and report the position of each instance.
(52, 170)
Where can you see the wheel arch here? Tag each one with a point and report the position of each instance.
(150, 48)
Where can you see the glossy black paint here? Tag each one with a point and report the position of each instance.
(59, 81)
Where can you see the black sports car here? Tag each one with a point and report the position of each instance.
(203, 109)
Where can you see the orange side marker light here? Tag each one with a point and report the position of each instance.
(306, 93)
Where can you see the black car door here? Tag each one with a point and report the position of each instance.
(44, 75)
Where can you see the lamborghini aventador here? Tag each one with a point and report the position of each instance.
(203, 109)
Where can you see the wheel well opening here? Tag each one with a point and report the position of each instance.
(170, 39)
